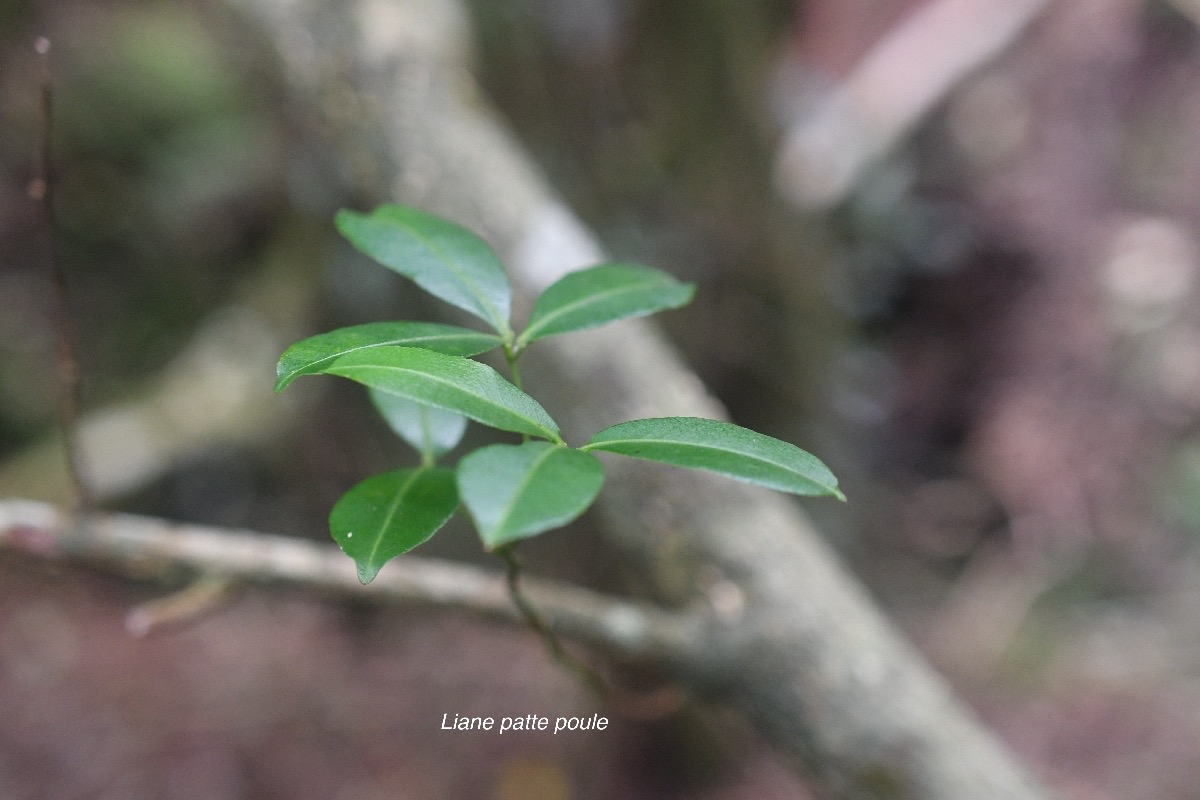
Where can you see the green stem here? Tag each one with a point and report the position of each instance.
(428, 459)
(511, 354)
(586, 675)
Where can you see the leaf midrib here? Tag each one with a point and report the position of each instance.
(545, 321)
(406, 341)
(709, 449)
(511, 505)
(393, 508)
(458, 388)
(472, 289)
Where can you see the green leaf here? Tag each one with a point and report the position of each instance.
(432, 431)
(516, 491)
(456, 384)
(600, 295)
(390, 514)
(721, 447)
(313, 354)
(444, 259)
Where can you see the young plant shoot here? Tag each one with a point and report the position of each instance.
(426, 385)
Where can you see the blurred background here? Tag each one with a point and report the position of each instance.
(950, 246)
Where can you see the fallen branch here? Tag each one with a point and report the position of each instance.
(148, 547)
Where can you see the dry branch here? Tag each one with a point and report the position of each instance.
(146, 547)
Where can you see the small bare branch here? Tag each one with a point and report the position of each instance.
(203, 596)
(41, 191)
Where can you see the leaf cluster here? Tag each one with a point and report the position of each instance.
(423, 380)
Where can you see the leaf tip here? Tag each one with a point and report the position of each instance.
(366, 572)
(344, 215)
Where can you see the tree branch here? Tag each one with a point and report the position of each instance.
(146, 546)
(213, 391)
(891, 90)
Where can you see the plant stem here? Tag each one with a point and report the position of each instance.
(41, 191)
(427, 457)
(588, 676)
(511, 354)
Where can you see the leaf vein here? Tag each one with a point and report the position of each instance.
(591, 299)
(497, 319)
(529, 473)
(393, 509)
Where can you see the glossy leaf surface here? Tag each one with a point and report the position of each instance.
(720, 447)
(456, 384)
(600, 295)
(443, 258)
(311, 355)
(390, 514)
(516, 491)
(431, 431)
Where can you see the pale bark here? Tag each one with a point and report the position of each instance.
(150, 547)
(896, 85)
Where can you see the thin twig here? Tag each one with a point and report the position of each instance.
(41, 190)
(655, 703)
(588, 676)
(184, 606)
